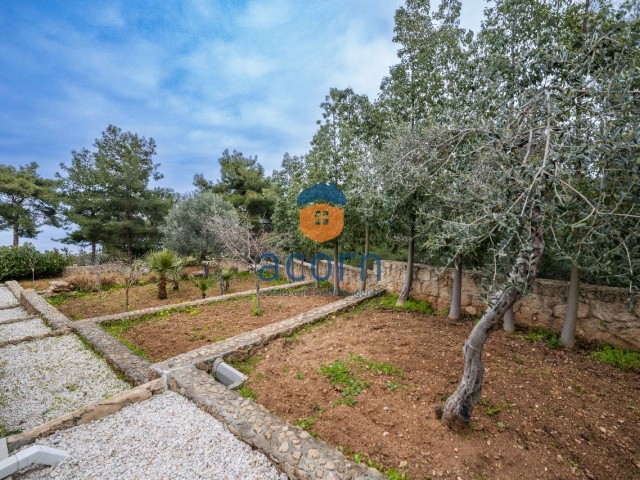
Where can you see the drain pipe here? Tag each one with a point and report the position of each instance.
(227, 375)
(36, 454)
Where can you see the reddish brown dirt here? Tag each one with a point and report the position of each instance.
(544, 414)
(180, 332)
(90, 305)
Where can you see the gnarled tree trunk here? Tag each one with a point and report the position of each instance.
(459, 406)
(456, 289)
(568, 335)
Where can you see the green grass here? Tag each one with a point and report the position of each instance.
(299, 376)
(623, 359)
(411, 305)
(246, 365)
(306, 423)
(246, 392)
(540, 334)
(118, 330)
(5, 431)
(494, 409)
(345, 376)
(340, 376)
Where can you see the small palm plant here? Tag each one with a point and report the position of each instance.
(203, 284)
(225, 275)
(162, 263)
(176, 272)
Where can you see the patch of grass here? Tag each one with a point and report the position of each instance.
(385, 368)
(550, 337)
(118, 330)
(392, 473)
(346, 382)
(299, 376)
(246, 392)
(395, 474)
(494, 409)
(344, 375)
(306, 423)
(255, 311)
(411, 305)
(246, 365)
(5, 431)
(623, 359)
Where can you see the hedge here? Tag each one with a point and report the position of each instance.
(16, 262)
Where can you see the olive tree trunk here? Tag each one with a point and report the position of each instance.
(456, 289)
(363, 279)
(258, 310)
(459, 406)
(508, 322)
(408, 279)
(568, 335)
(336, 269)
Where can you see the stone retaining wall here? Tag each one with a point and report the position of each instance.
(292, 449)
(603, 313)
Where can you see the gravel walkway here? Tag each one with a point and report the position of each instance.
(6, 297)
(44, 379)
(13, 314)
(27, 328)
(166, 437)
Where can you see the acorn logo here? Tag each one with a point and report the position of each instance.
(321, 211)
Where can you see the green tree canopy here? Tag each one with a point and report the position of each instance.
(108, 193)
(27, 201)
(187, 226)
(242, 182)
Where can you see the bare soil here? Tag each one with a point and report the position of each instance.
(163, 337)
(87, 305)
(543, 414)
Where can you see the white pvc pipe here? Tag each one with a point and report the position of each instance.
(36, 454)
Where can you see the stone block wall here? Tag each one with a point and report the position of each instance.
(603, 313)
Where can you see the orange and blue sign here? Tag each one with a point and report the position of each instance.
(322, 211)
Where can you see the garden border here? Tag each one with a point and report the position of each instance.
(293, 450)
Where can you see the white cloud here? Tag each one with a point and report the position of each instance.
(262, 14)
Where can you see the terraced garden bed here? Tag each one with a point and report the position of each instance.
(80, 305)
(168, 333)
(368, 382)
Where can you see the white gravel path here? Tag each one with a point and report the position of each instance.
(27, 328)
(6, 297)
(165, 437)
(13, 314)
(44, 379)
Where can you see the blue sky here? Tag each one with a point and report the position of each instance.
(198, 76)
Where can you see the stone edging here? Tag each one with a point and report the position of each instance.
(18, 320)
(293, 450)
(117, 354)
(37, 305)
(88, 413)
(31, 338)
(241, 345)
(137, 369)
(203, 301)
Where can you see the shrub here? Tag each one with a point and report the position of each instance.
(16, 262)
(87, 281)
